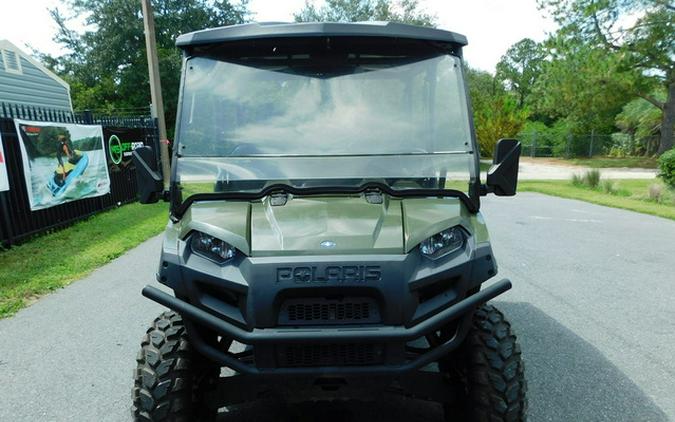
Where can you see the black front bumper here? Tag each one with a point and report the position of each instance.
(365, 334)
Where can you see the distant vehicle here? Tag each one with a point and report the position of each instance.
(325, 239)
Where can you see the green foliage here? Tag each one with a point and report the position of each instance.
(613, 188)
(639, 122)
(122, 228)
(592, 178)
(583, 86)
(495, 111)
(47, 141)
(640, 53)
(613, 162)
(546, 140)
(499, 118)
(667, 167)
(405, 11)
(577, 180)
(88, 144)
(106, 64)
(521, 66)
(632, 196)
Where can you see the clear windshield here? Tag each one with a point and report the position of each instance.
(346, 120)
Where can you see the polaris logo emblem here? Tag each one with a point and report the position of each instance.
(330, 274)
(327, 244)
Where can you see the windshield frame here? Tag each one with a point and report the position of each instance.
(471, 199)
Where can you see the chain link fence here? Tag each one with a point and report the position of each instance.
(569, 145)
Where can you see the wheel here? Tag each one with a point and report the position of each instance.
(489, 372)
(169, 380)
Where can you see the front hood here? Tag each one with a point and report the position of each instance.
(326, 225)
(321, 225)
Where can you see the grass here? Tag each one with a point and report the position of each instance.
(485, 166)
(51, 261)
(628, 194)
(607, 162)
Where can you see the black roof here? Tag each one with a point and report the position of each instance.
(317, 29)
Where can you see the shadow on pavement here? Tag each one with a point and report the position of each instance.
(569, 380)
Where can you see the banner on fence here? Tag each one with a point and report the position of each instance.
(62, 162)
(4, 180)
(121, 143)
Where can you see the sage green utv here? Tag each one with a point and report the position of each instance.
(325, 240)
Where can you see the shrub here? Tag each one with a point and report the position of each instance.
(609, 187)
(667, 167)
(592, 178)
(496, 118)
(577, 180)
(655, 192)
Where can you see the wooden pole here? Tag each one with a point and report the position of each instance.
(157, 108)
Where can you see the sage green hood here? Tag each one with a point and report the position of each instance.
(327, 225)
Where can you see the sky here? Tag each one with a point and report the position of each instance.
(491, 26)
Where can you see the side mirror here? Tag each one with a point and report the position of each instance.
(502, 178)
(149, 181)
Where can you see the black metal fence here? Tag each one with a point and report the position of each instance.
(17, 221)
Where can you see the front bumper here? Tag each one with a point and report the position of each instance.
(331, 314)
(374, 334)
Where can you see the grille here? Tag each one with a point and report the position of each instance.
(329, 354)
(320, 311)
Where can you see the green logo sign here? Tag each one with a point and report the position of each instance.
(115, 149)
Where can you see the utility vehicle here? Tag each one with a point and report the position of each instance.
(325, 240)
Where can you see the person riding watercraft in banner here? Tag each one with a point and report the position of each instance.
(65, 149)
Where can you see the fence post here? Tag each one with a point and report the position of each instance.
(87, 117)
(6, 219)
(533, 148)
(590, 149)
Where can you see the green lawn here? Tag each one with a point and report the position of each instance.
(605, 162)
(485, 166)
(630, 194)
(54, 260)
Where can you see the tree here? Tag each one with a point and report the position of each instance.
(521, 66)
(582, 85)
(496, 113)
(645, 46)
(106, 65)
(404, 11)
(639, 121)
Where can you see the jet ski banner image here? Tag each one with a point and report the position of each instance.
(62, 162)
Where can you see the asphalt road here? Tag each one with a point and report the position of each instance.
(592, 303)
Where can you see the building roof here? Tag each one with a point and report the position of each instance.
(6, 45)
(316, 29)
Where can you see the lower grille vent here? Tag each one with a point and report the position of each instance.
(307, 355)
(321, 311)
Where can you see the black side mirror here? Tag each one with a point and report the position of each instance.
(149, 180)
(502, 178)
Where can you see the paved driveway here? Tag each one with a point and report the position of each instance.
(540, 169)
(593, 304)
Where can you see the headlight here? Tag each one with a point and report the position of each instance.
(443, 243)
(211, 248)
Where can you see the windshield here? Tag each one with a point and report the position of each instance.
(334, 120)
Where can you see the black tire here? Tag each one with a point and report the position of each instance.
(169, 381)
(489, 370)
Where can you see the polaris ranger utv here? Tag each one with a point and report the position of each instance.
(325, 240)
